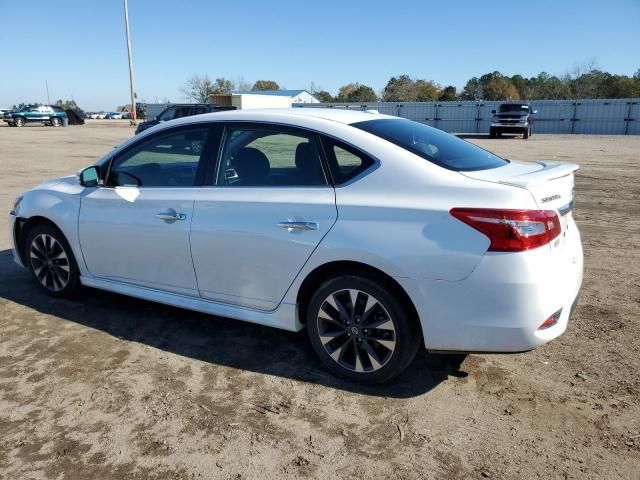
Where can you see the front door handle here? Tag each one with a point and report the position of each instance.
(298, 225)
(171, 216)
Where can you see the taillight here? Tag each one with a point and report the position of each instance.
(512, 230)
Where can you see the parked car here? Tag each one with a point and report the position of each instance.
(98, 115)
(125, 115)
(113, 116)
(512, 118)
(375, 233)
(47, 114)
(182, 110)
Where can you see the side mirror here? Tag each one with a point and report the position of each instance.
(90, 176)
(493, 111)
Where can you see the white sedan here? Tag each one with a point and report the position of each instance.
(377, 234)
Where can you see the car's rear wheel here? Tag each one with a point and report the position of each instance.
(50, 259)
(19, 122)
(55, 122)
(360, 330)
(525, 134)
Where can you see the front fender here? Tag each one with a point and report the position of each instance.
(61, 206)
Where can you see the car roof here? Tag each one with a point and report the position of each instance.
(340, 115)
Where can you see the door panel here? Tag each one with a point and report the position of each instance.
(123, 239)
(252, 234)
(241, 255)
(136, 229)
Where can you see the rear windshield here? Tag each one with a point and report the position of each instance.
(432, 144)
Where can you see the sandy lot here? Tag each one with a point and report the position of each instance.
(111, 387)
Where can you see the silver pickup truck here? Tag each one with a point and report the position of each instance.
(512, 118)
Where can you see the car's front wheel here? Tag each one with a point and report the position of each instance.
(50, 259)
(360, 330)
(19, 122)
(55, 122)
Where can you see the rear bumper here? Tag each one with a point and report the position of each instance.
(501, 305)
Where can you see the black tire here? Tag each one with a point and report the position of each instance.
(55, 122)
(50, 259)
(355, 334)
(492, 132)
(19, 121)
(525, 134)
(11, 124)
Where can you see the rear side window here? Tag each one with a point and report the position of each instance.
(270, 156)
(344, 161)
(432, 144)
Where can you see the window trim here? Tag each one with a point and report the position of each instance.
(359, 152)
(203, 163)
(280, 128)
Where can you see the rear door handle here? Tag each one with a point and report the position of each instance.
(171, 216)
(298, 225)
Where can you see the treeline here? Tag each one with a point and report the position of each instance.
(584, 82)
(592, 83)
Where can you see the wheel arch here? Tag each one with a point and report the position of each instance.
(22, 228)
(343, 267)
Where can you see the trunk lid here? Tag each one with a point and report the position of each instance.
(550, 182)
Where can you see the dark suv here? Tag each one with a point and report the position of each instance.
(512, 118)
(179, 110)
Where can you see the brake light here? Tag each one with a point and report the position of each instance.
(512, 230)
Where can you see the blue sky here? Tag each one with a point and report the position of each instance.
(79, 47)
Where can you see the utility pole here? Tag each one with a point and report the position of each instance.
(46, 83)
(133, 94)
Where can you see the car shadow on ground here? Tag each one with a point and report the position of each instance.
(212, 339)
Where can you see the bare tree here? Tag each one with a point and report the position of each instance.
(198, 88)
(242, 84)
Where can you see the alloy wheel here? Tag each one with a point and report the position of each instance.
(50, 262)
(356, 330)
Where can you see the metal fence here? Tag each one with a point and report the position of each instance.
(601, 116)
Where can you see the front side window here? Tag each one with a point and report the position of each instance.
(432, 144)
(270, 157)
(168, 160)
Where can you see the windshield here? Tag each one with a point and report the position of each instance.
(432, 144)
(513, 107)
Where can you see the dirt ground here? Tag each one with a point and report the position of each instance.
(115, 388)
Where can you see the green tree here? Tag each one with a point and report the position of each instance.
(67, 104)
(472, 90)
(499, 88)
(427, 90)
(222, 86)
(265, 85)
(356, 92)
(400, 89)
(324, 96)
(448, 94)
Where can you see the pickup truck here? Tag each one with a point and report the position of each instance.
(512, 118)
(46, 114)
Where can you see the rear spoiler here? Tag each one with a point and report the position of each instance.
(550, 171)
